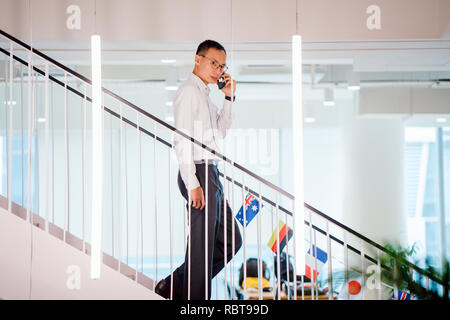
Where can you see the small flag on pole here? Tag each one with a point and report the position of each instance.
(284, 235)
(253, 208)
(401, 295)
(352, 290)
(310, 270)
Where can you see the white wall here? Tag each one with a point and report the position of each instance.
(372, 179)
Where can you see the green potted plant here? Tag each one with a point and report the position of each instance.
(399, 273)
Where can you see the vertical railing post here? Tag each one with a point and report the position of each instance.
(233, 232)
(395, 275)
(189, 253)
(155, 200)
(225, 233)
(66, 148)
(30, 136)
(83, 169)
(9, 106)
(311, 252)
(346, 265)
(170, 224)
(206, 229)
(274, 263)
(120, 185)
(297, 272)
(411, 271)
(330, 267)
(112, 182)
(278, 248)
(53, 151)
(260, 264)
(288, 276)
(22, 136)
(315, 289)
(441, 195)
(36, 149)
(5, 118)
(139, 195)
(47, 120)
(125, 155)
(244, 204)
(379, 274)
(363, 271)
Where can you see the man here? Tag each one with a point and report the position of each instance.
(198, 117)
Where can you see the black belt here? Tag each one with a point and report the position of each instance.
(203, 161)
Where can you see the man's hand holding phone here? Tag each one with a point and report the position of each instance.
(226, 78)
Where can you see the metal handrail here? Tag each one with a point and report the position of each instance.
(371, 242)
(168, 144)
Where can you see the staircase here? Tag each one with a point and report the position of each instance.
(37, 264)
(48, 160)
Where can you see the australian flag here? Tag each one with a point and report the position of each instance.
(253, 208)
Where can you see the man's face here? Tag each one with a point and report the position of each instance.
(205, 64)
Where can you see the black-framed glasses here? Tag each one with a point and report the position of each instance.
(215, 64)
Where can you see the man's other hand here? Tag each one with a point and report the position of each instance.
(197, 198)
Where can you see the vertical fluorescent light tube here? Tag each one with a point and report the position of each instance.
(97, 159)
(297, 128)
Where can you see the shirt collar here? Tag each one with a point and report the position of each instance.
(200, 84)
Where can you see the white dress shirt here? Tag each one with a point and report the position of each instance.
(198, 117)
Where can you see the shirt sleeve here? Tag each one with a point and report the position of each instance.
(184, 108)
(225, 118)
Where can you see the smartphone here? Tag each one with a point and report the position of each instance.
(221, 83)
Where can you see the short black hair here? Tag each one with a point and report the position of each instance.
(205, 45)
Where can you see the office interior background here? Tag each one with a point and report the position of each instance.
(376, 103)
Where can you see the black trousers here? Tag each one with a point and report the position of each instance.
(201, 275)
